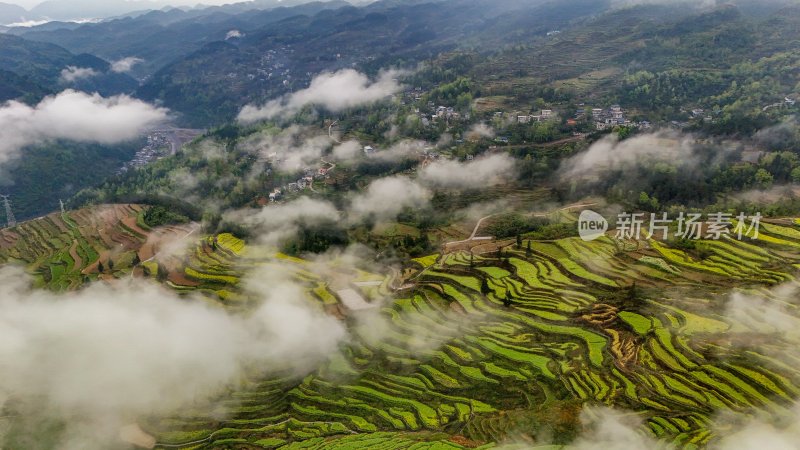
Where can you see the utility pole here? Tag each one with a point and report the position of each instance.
(12, 222)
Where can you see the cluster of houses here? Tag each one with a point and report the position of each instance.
(611, 117)
(155, 148)
(274, 63)
(543, 116)
(603, 118)
(446, 114)
(606, 118)
(432, 113)
(304, 182)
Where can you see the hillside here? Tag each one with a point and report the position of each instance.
(330, 40)
(42, 64)
(160, 37)
(16, 87)
(52, 168)
(56, 171)
(65, 250)
(476, 350)
(656, 60)
(278, 47)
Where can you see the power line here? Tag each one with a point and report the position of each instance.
(12, 222)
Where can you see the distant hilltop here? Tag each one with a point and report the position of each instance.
(81, 11)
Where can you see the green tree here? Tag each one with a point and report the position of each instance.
(764, 179)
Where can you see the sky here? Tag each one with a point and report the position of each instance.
(28, 4)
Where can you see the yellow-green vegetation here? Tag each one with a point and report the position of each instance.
(476, 351)
(427, 261)
(64, 250)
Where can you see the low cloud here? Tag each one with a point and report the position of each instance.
(125, 65)
(291, 149)
(480, 173)
(767, 196)
(480, 130)
(275, 223)
(444, 140)
(742, 433)
(784, 135)
(107, 356)
(404, 149)
(347, 150)
(72, 74)
(611, 429)
(233, 34)
(776, 313)
(385, 198)
(334, 91)
(610, 154)
(74, 116)
(774, 316)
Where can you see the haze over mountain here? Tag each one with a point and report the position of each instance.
(71, 10)
(10, 13)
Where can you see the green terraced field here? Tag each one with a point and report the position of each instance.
(487, 350)
(62, 251)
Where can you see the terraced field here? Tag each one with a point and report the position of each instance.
(491, 348)
(504, 347)
(64, 250)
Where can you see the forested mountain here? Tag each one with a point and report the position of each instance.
(283, 56)
(54, 171)
(17, 87)
(658, 61)
(161, 36)
(29, 72)
(207, 63)
(42, 67)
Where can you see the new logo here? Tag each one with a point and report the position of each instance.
(591, 225)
